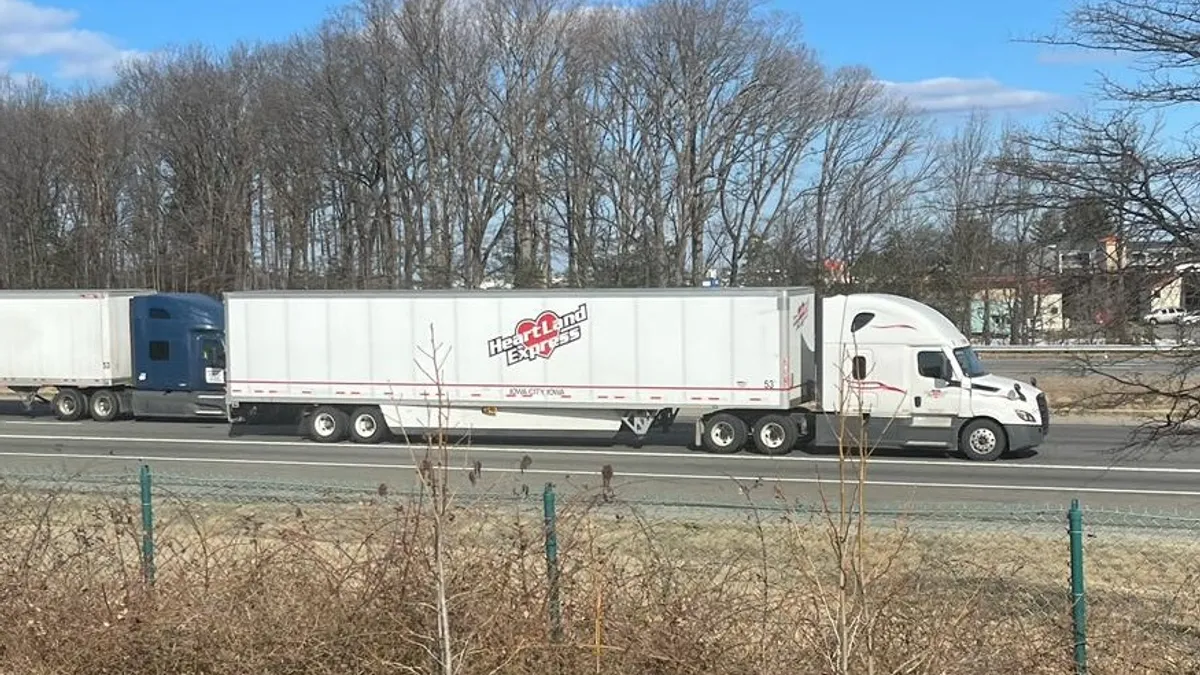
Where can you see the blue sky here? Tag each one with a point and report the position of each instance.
(945, 55)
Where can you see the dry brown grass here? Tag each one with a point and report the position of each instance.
(1096, 393)
(352, 590)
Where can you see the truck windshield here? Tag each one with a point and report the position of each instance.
(969, 361)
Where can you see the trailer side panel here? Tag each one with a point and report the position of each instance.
(645, 349)
(68, 338)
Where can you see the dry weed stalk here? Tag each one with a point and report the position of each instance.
(681, 597)
(434, 476)
(851, 615)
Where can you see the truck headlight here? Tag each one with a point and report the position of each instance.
(1026, 416)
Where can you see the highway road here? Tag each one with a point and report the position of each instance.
(1078, 460)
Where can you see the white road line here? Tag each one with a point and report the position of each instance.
(589, 452)
(41, 422)
(622, 474)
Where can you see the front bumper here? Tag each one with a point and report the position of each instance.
(1044, 410)
(1024, 437)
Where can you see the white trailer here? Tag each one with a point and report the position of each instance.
(514, 360)
(744, 362)
(66, 339)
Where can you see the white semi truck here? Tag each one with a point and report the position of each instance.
(743, 362)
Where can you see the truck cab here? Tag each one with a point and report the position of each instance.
(915, 381)
(178, 356)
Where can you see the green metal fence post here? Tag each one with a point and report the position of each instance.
(550, 515)
(1078, 598)
(147, 526)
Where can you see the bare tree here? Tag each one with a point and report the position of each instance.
(761, 184)
(872, 161)
(1160, 35)
(427, 143)
(529, 38)
(31, 186)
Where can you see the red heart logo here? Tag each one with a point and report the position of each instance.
(539, 334)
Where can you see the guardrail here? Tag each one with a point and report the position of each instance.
(1086, 349)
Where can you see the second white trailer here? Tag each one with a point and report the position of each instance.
(363, 364)
(58, 338)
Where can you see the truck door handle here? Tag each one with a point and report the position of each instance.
(917, 401)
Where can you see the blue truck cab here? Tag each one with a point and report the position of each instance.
(177, 353)
(178, 356)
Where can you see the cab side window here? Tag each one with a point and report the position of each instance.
(213, 354)
(932, 364)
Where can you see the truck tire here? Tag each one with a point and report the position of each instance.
(69, 405)
(328, 424)
(775, 434)
(724, 434)
(104, 406)
(367, 426)
(982, 440)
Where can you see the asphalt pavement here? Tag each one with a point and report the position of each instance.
(1078, 460)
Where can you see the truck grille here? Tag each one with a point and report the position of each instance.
(1044, 409)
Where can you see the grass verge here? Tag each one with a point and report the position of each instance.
(1097, 394)
(354, 589)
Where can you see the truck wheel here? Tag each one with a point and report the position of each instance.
(328, 424)
(104, 406)
(724, 434)
(69, 405)
(367, 426)
(775, 434)
(982, 440)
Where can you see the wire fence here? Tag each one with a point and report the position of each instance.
(1029, 517)
(582, 580)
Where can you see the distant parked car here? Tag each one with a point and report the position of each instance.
(1164, 315)
(1190, 319)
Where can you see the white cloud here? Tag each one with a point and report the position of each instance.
(29, 30)
(955, 94)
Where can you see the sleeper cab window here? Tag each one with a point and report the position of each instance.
(861, 319)
(160, 350)
(858, 367)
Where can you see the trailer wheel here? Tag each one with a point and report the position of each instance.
(69, 405)
(982, 440)
(724, 434)
(367, 426)
(328, 424)
(775, 434)
(104, 406)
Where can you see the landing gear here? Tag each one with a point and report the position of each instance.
(642, 422)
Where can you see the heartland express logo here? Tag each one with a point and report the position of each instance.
(536, 338)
